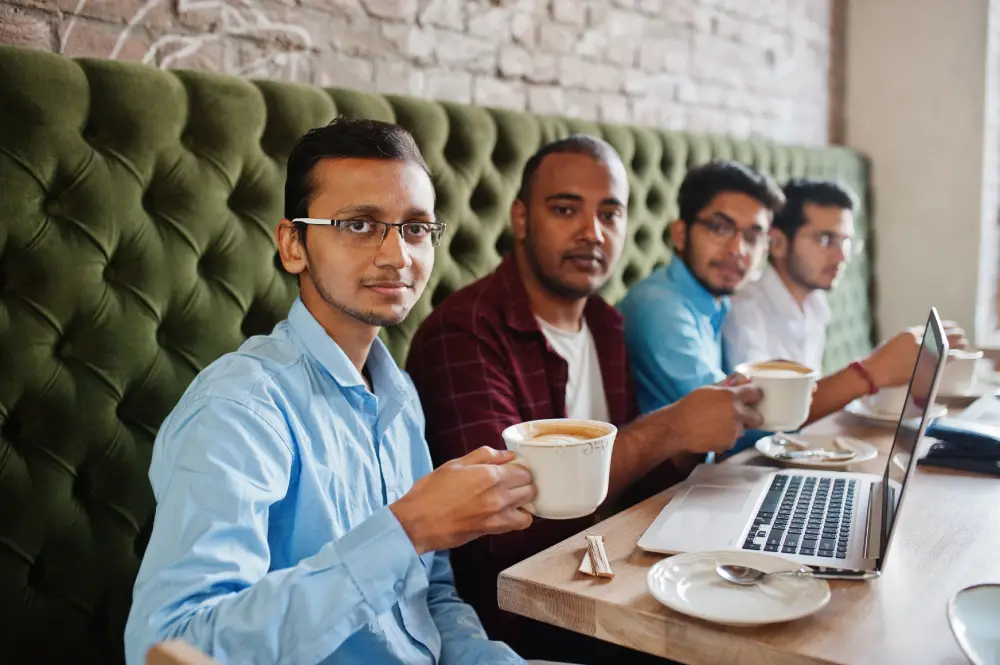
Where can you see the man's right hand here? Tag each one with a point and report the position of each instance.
(711, 418)
(468, 497)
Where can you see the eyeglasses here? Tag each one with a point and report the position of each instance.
(723, 229)
(849, 245)
(371, 233)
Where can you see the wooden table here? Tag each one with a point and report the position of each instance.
(949, 537)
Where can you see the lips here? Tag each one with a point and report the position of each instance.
(586, 258)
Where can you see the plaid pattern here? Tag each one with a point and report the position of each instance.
(481, 363)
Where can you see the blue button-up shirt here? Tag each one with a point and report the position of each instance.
(273, 541)
(673, 332)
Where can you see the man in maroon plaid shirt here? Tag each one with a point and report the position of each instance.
(533, 340)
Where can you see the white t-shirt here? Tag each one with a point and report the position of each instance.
(585, 387)
(766, 323)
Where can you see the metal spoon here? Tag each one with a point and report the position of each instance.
(746, 576)
(829, 455)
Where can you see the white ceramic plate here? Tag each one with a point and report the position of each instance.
(861, 409)
(865, 451)
(974, 615)
(689, 584)
(975, 391)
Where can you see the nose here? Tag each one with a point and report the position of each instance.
(738, 244)
(393, 252)
(592, 230)
(839, 253)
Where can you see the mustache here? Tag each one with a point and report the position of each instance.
(594, 254)
(729, 266)
(388, 278)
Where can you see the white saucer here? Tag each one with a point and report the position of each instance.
(975, 391)
(861, 409)
(974, 615)
(865, 451)
(689, 584)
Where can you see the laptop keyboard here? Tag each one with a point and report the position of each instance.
(808, 515)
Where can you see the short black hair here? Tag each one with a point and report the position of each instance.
(576, 144)
(703, 183)
(343, 138)
(800, 191)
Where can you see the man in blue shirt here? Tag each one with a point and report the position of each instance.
(298, 518)
(674, 317)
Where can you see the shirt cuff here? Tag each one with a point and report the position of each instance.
(381, 560)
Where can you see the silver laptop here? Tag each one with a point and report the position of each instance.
(833, 521)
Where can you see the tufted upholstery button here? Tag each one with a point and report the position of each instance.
(110, 272)
(464, 246)
(53, 207)
(484, 201)
(64, 348)
(440, 293)
(82, 487)
(149, 202)
(631, 275)
(505, 242)
(642, 238)
(161, 338)
(10, 429)
(36, 573)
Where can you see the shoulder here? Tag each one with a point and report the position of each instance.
(254, 382)
(654, 301)
(474, 308)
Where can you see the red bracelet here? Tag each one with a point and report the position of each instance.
(872, 387)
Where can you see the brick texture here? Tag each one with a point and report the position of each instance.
(740, 67)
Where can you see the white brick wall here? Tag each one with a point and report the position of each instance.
(742, 67)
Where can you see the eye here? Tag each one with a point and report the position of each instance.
(359, 226)
(417, 230)
(610, 216)
(564, 211)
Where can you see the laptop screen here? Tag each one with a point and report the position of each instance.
(912, 423)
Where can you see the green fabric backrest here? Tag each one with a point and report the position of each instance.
(136, 216)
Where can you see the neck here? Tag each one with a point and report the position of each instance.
(562, 313)
(798, 291)
(354, 337)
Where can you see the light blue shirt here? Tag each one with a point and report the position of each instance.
(273, 541)
(673, 332)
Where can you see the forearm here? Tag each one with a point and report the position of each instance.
(836, 391)
(645, 444)
(321, 601)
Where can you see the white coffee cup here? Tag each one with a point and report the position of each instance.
(570, 464)
(788, 390)
(959, 372)
(888, 401)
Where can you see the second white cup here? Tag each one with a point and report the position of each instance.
(788, 391)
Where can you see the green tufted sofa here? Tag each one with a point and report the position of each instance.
(136, 217)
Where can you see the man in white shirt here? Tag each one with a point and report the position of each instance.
(784, 314)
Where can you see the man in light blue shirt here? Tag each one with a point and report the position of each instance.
(298, 519)
(674, 318)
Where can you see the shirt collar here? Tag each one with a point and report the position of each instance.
(387, 380)
(684, 282)
(776, 291)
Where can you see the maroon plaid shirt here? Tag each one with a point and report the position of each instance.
(480, 364)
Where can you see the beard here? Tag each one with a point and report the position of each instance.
(368, 317)
(714, 291)
(799, 273)
(550, 282)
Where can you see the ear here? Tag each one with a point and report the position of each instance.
(291, 247)
(678, 235)
(780, 247)
(519, 219)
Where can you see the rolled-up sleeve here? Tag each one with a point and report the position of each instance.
(218, 469)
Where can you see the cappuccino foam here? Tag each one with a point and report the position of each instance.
(776, 373)
(562, 434)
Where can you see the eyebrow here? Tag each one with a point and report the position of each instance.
(376, 211)
(567, 196)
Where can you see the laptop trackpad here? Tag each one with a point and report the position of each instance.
(708, 516)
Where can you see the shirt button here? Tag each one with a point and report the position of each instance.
(398, 587)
